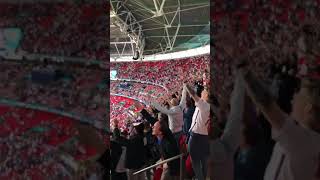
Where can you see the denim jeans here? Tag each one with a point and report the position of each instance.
(198, 148)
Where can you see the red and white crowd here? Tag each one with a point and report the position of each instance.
(59, 28)
(79, 94)
(32, 143)
(277, 28)
(136, 90)
(168, 73)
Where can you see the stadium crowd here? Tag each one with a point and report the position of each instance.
(141, 91)
(278, 41)
(123, 109)
(162, 73)
(32, 143)
(279, 29)
(264, 107)
(77, 91)
(169, 73)
(60, 28)
(31, 140)
(133, 126)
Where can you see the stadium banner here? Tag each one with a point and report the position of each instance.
(10, 39)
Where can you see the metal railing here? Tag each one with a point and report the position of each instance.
(165, 161)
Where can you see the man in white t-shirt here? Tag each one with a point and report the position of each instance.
(175, 114)
(198, 144)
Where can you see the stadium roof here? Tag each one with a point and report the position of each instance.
(158, 26)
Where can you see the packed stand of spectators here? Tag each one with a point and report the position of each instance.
(169, 73)
(141, 91)
(265, 73)
(32, 143)
(154, 134)
(178, 70)
(266, 84)
(124, 110)
(278, 28)
(76, 92)
(59, 28)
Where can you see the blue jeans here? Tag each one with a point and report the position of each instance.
(198, 148)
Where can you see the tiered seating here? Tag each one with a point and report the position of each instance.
(79, 95)
(120, 108)
(170, 73)
(30, 141)
(274, 26)
(141, 91)
(67, 29)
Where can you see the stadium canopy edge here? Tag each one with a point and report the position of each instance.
(169, 56)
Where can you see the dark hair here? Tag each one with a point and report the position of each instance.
(189, 102)
(199, 88)
(164, 128)
(139, 129)
(164, 117)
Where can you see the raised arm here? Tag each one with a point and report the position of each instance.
(263, 99)
(162, 109)
(232, 132)
(183, 98)
(147, 116)
(192, 93)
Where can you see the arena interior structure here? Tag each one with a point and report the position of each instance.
(278, 40)
(154, 47)
(53, 118)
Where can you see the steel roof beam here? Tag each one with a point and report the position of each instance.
(178, 35)
(117, 50)
(144, 7)
(156, 6)
(178, 28)
(162, 4)
(187, 9)
(128, 24)
(186, 5)
(196, 25)
(175, 37)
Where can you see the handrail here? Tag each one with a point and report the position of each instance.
(162, 162)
